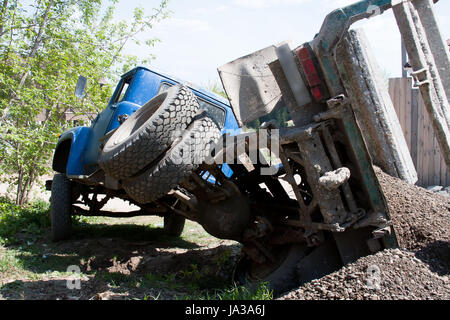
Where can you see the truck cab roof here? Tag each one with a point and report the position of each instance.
(192, 86)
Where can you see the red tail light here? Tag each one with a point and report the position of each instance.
(311, 73)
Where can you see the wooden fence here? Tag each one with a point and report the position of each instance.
(419, 134)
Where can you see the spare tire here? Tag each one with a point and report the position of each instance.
(195, 144)
(148, 133)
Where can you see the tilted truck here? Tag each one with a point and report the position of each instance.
(177, 151)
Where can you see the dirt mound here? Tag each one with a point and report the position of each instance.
(391, 274)
(419, 270)
(420, 217)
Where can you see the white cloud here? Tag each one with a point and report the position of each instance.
(199, 11)
(204, 11)
(194, 25)
(257, 4)
(222, 8)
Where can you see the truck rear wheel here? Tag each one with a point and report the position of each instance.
(280, 275)
(178, 163)
(61, 207)
(148, 133)
(174, 224)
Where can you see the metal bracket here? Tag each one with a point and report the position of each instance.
(420, 74)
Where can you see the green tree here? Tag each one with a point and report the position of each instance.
(44, 46)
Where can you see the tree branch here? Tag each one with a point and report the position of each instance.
(37, 42)
(2, 14)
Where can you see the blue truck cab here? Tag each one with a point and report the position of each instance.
(77, 150)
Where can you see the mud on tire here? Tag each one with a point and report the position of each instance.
(148, 133)
(181, 160)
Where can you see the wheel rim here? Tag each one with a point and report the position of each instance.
(137, 120)
(249, 271)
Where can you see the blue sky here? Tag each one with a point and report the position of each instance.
(202, 35)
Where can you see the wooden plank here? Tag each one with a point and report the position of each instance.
(419, 133)
(414, 125)
(437, 163)
(425, 131)
(428, 149)
(420, 136)
(407, 110)
(400, 104)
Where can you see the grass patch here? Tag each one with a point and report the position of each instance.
(31, 220)
(26, 254)
(202, 285)
(234, 292)
(8, 261)
(262, 292)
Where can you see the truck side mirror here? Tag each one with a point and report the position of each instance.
(81, 87)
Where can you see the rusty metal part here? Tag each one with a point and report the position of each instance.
(187, 214)
(191, 202)
(376, 219)
(258, 228)
(204, 190)
(337, 164)
(254, 253)
(332, 180)
(226, 219)
(93, 204)
(381, 232)
(265, 251)
(285, 235)
(315, 226)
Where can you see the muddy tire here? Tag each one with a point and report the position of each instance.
(174, 224)
(61, 207)
(281, 277)
(148, 133)
(177, 163)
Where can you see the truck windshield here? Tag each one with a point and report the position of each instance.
(122, 91)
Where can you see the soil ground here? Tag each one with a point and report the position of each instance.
(133, 259)
(118, 259)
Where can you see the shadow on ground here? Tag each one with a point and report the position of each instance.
(437, 256)
(120, 261)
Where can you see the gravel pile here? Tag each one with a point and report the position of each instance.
(391, 274)
(421, 218)
(418, 270)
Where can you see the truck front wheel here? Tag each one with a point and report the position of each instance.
(61, 207)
